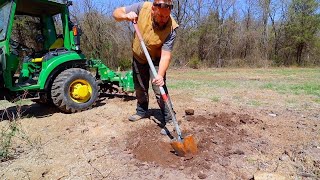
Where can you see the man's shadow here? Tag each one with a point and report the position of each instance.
(125, 97)
(158, 119)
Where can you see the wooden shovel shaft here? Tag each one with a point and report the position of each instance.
(162, 91)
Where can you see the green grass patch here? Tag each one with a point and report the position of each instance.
(307, 88)
(7, 134)
(215, 99)
(292, 101)
(249, 86)
(191, 84)
(183, 84)
(288, 71)
(297, 89)
(254, 103)
(317, 100)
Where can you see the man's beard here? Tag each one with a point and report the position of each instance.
(157, 26)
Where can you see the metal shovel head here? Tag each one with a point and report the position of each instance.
(178, 148)
(190, 144)
(187, 146)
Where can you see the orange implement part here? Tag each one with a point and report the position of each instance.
(190, 145)
(178, 148)
(187, 146)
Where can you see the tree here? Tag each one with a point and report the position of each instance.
(302, 26)
(265, 6)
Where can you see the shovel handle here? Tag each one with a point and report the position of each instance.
(154, 72)
(153, 69)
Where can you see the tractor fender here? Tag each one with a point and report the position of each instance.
(81, 63)
(51, 68)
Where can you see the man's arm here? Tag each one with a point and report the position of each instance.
(163, 66)
(165, 59)
(128, 13)
(120, 14)
(164, 62)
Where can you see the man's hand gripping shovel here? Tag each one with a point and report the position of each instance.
(182, 145)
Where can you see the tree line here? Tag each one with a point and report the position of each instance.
(212, 33)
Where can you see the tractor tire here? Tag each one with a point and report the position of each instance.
(74, 90)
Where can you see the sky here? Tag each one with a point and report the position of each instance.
(241, 6)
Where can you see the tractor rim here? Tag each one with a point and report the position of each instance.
(80, 91)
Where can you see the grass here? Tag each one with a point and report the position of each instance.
(215, 99)
(288, 80)
(296, 89)
(252, 87)
(317, 100)
(193, 84)
(6, 104)
(12, 134)
(7, 135)
(11, 131)
(254, 103)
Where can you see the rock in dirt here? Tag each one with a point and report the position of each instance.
(189, 112)
(268, 176)
(238, 151)
(44, 173)
(284, 157)
(202, 175)
(224, 162)
(272, 115)
(173, 166)
(164, 131)
(207, 166)
(146, 167)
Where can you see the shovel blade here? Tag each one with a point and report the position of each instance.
(187, 146)
(190, 144)
(178, 148)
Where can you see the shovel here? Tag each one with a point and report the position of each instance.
(182, 145)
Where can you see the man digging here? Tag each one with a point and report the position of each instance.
(158, 29)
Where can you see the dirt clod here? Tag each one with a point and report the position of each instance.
(44, 173)
(202, 176)
(189, 112)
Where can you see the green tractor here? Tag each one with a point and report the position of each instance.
(54, 71)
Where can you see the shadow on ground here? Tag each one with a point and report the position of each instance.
(34, 110)
(25, 111)
(125, 97)
(47, 110)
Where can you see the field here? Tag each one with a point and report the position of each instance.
(249, 123)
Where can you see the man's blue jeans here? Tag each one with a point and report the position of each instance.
(141, 78)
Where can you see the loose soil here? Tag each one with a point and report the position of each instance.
(235, 141)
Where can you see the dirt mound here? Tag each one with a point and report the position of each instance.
(219, 137)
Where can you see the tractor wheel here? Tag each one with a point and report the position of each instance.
(74, 90)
